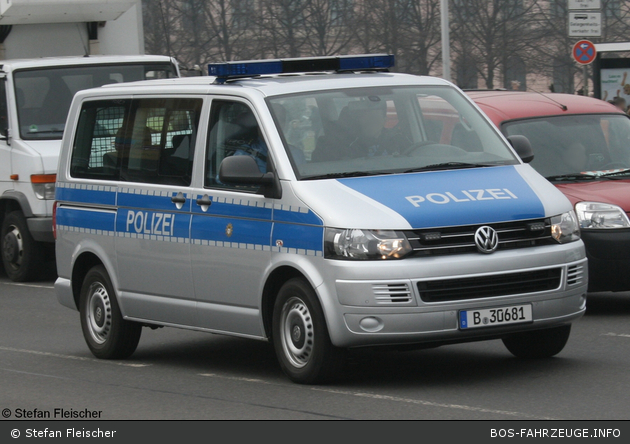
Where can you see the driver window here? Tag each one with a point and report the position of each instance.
(234, 131)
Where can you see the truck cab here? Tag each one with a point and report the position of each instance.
(35, 96)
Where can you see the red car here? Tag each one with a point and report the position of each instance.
(582, 145)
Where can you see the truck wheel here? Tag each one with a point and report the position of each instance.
(22, 256)
(300, 336)
(538, 344)
(107, 334)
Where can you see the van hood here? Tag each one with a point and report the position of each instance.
(48, 151)
(616, 192)
(433, 199)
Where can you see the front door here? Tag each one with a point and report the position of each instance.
(231, 227)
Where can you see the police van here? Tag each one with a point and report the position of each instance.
(320, 204)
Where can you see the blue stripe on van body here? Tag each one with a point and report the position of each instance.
(298, 237)
(239, 231)
(451, 198)
(86, 219)
(144, 222)
(295, 215)
(234, 207)
(158, 200)
(93, 195)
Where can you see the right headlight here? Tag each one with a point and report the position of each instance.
(355, 244)
(565, 228)
(601, 216)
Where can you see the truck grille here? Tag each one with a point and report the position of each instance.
(488, 286)
(460, 240)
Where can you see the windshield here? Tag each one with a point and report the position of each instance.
(575, 147)
(364, 131)
(44, 95)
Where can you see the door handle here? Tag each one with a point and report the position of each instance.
(204, 202)
(179, 200)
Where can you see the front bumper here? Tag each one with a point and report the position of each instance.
(374, 304)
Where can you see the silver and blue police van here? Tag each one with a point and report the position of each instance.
(320, 204)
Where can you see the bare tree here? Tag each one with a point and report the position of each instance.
(382, 26)
(329, 26)
(283, 23)
(159, 26)
(495, 31)
(421, 45)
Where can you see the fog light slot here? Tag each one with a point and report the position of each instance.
(371, 324)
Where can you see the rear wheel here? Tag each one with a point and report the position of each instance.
(539, 343)
(107, 334)
(22, 256)
(300, 336)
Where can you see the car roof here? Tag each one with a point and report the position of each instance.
(13, 64)
(501, 106)
(271, 85)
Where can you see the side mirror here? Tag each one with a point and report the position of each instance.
(523, 147)
(4, 135)
(243, 170)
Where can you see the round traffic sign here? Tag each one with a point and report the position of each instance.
(584, 52)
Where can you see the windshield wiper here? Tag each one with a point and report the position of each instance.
(623, 172)
(53, 131)
(447, 166)
(572, 176)
(345, 174)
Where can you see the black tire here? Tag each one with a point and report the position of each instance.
(107, 334)
(22, 256)
(538, 344)
(300, 336)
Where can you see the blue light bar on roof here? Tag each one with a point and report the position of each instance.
(252, 68)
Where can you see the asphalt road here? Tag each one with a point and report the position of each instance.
(181, 375)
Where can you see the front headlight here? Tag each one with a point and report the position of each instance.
(44, 185)
(601, 215)
(365, 244)
(564, 228)
(44, 191)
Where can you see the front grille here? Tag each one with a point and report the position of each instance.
(392, 294)
(575, 275)
(488, 286)
(461, 239)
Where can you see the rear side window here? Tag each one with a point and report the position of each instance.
(145, 140)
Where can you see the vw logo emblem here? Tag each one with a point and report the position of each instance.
(486, 239)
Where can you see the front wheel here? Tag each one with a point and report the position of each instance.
(107, 334)
(300, 336)
(22, 256)
(538, 344)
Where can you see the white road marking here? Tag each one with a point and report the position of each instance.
(77, 358)
(16, 284)
(392, 398)
(618, 335)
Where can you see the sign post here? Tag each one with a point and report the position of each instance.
(585, 20)
(584, 52)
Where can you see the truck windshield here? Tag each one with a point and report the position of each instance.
(44, 95)
(385, 130)
(575, 147)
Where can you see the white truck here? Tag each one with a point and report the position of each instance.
(49, 50)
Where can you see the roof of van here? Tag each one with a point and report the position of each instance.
(282, 83)
(507, 105)
(13, 64)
